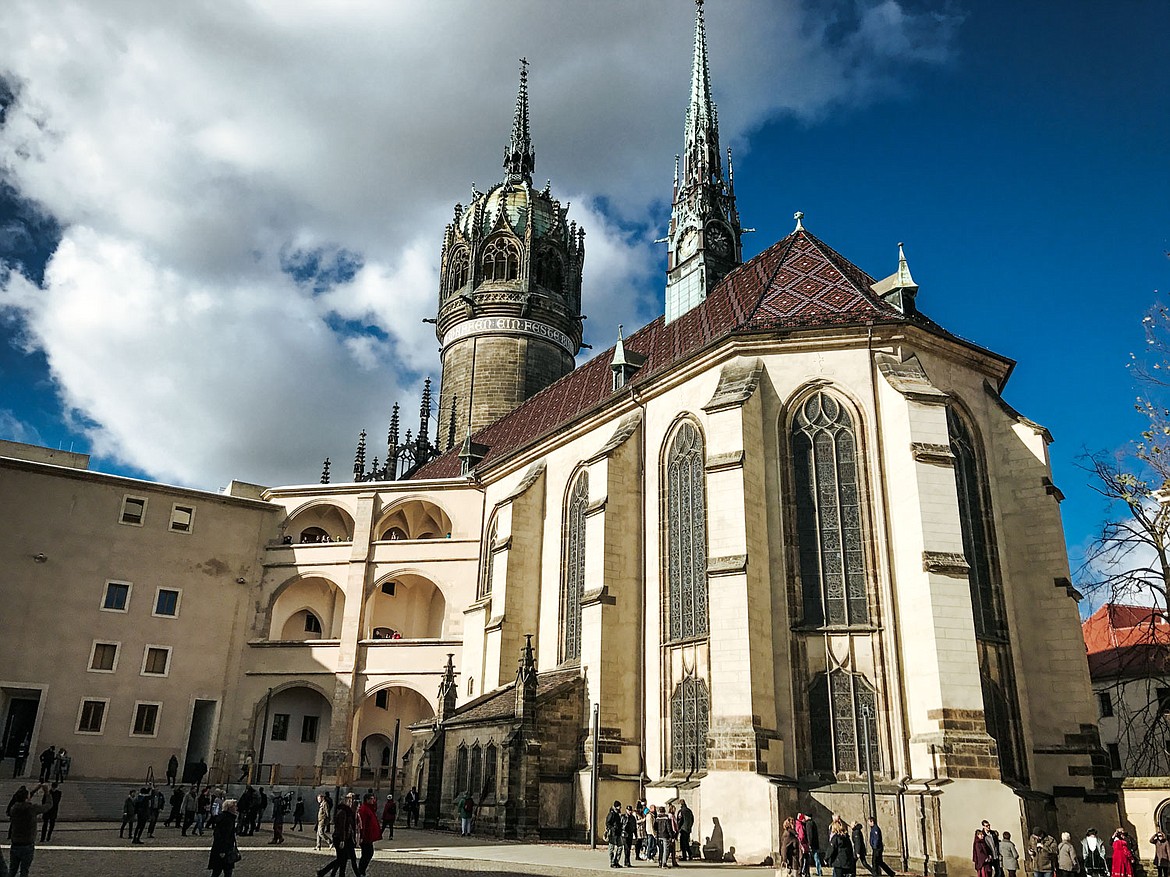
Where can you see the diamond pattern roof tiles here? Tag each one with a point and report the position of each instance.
(798, 282)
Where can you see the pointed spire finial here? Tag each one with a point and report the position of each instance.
(799, 217)
(904, 277)
(519, 157)
(701, 106)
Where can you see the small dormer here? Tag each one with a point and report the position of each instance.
(625, 363)
(899, 289)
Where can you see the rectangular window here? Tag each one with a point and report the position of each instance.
(182, 517)
(145, 720)
(280, 726)
(382, 699)
(166, 603)
(309, 729)
(91, 716)
(116, 597)
(1105, 704)
(133, 511)
(1163, 701)
(388, 588)
(1114, 756)
(156, 661)
(104, 657)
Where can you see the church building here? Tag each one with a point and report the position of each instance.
(784, 537)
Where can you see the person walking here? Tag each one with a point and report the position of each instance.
(156, 803)
(465, 810)
(389, 817)
(49, 818)
(299, 814)
(1093, 855)
(127, 826)
(789, 848)
(629, 833)
(857, 838)
(23, 824)
(813, 836)
(260, 806)
(1042, 852)
(1067, 863)
(877, 847)
(801, 828)
(322, 822)
(344, 838)
(190, 808)
(369, 830)
(1009, 855)
(640, 818)
(613, 834)
(175, 814)
(981, 855)
(840, 858)
(1121, 862)
(279, 806)
(686, 823)
(61, 767)
(20, 758)
(221, 861)
(172, 770)
(665, 829)
(1161, 853)
(141, 812)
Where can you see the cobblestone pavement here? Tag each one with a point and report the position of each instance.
(94, 850)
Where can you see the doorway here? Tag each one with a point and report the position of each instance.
(19, 721)
(199, 740)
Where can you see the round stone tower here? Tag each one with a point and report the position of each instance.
(509, 321)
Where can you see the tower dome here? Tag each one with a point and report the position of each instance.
(509, 321)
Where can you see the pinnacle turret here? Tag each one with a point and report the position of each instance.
(519, 157)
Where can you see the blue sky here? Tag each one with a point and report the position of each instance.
(244, 219)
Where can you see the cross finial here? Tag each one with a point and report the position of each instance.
(799, 217)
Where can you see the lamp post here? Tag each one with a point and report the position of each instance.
(394, 757)
(866, 715)
(263, 731)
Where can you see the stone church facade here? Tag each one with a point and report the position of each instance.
(791, 515)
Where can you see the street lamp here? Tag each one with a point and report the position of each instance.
(866, 716)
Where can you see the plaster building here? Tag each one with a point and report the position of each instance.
(791, 515)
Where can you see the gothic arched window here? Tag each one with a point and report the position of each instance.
(1000, 703)
(487, 566)
(690, 710)
(549, 272)
(828, 514)
(475, 777)
(501, 261)
(573, 568)
(457, 270)
(686, 535)
(838, 704)
(461, 770)
(986, 595)
(490, 756)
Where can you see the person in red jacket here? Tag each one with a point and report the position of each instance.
(369, 830)
(389, 816)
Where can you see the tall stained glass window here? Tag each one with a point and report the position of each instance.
(838, 704)
(828, 514)
(690, 710)
(573, 571)
(487, 565)
(686, 529)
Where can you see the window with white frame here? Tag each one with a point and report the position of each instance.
(156, 661)
(91, 715)
(116, 596)
(166, 602)
(145, 719)
(133, 511)
(103, 657)
(182, 518)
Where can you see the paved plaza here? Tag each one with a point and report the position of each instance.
(94, 850)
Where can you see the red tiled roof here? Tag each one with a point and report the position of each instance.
(1123, 640)
(798, 282)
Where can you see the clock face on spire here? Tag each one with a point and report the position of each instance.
(688, 243)
(718, 240)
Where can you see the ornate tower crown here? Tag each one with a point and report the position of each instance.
(509, 321)
(704, 238)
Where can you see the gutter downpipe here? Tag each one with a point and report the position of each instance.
(641, 677)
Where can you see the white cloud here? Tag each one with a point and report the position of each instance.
(13, 429)
(187, 146)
